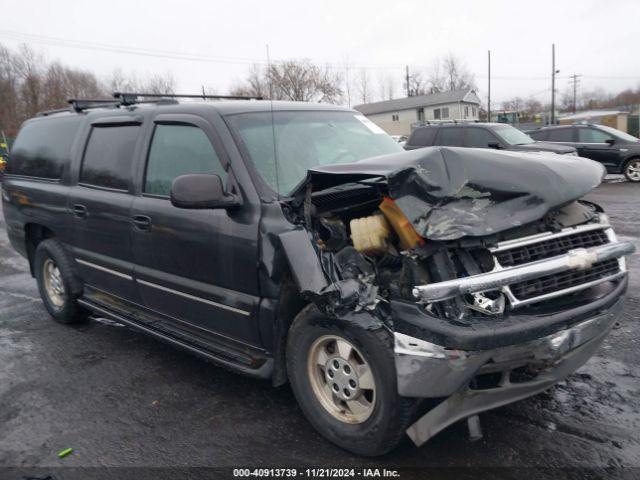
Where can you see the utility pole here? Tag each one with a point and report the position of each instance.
(408, 87)
(553, 83)
(489, 88)
(575, 81)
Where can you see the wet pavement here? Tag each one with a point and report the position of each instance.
(119, 398)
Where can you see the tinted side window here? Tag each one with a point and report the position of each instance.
(592, 135)
(560, 135)
(179, 150)
(422, 137)
(450, 136)
(479, 138)
(539, 135)
(43, 148)
(108, 156)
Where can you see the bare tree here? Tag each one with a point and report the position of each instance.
(28, 64)
(450, 73)
(9, 91)
(386, 87)
(255, 85)
(363, 86)
(160, 84)
(515, 103)
(418, 85)
(297, 80)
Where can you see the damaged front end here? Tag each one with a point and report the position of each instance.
(495, 279)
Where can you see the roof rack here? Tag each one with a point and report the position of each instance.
(130, 98)
(440, 122)
(125, 99)
(80, 105)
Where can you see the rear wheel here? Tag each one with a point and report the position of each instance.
(344, 379)
(57, 282)
(632, 170)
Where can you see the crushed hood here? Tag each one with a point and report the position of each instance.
(448, 193)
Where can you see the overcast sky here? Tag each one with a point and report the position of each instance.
(596, 38)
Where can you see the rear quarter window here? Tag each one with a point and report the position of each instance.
(422, 137)
(43, 148)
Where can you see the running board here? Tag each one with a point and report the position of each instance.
(263, 370)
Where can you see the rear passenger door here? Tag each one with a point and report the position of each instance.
(450, 137)
(99, 203)
(564, 135)
(196, 267)
(421, 137)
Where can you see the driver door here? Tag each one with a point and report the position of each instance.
(194, 267)
(592, 143)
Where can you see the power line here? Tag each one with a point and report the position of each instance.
(195, 57)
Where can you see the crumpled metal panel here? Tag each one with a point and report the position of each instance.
(448, 193)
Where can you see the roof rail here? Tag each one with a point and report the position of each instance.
(125, 99)
(131, 98)
(81, 104)
(440, 122)
(46, 113)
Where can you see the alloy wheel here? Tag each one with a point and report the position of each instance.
(341, 379)
(53, 283)
(633, 170)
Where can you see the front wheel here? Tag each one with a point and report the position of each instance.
(344, 380)
(632, 170)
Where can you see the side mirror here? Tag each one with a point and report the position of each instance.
(495, 145)
(201, 191)
(610, 141)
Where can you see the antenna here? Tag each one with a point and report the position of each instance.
(273, 126)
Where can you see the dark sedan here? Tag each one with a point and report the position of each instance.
(619, 152)
(480, 135)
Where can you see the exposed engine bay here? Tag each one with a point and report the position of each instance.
(399, 225)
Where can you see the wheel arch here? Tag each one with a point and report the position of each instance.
(34, 233)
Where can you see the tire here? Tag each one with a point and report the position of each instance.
(58, 283)
(632, 175)
(390, 414)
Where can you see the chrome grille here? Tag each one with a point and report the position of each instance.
(550, 248)
(544, 246)
(562, 281)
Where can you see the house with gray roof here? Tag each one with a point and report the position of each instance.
(396, 116)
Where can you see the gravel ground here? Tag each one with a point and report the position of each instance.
(121, 399)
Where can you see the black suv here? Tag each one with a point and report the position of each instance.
(480, 135)
(298, 242)
(619, 152)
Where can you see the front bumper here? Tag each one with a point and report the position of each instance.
(476, 381)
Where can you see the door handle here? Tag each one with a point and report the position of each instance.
(79, 211)
(142, 222)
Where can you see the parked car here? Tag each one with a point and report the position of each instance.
(298, 242)
(480, 135)
(619, 152)
(399, 138)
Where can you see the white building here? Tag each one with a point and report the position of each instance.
(396, 116)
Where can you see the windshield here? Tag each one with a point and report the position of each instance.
(306, 139)
(618, 134)
(512, 135)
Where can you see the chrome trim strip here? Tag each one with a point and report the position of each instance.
(577, 259)
(104, 269)
(541, 237)
(193, 297)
